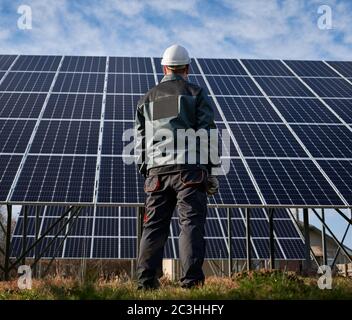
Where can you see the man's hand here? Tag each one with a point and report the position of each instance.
(212, 185)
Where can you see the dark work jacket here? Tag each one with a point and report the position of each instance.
(173, 104)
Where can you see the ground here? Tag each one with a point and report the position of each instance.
(252, 285)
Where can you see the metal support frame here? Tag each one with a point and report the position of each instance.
(307, 263)
(73, 218)
(8, 243)
(229, 241)
(248, 240)
(8, 267)
(36, 253)
(271, 239)
(24, 233)
(323, 239)
(340, 245)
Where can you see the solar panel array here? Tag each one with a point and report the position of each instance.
(62, 119)
(111, 234)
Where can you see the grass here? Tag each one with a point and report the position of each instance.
(252, 285)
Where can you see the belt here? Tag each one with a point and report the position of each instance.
(173, 168)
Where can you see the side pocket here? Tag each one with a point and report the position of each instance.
(151, 184)
(192, 177)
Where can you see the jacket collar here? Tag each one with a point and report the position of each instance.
(172, 76)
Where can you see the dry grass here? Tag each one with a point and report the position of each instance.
(252, 285)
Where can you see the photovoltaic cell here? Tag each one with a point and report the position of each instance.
(340, 173)
(266, 140)
(83, 64)
(74, 106)
(293, 248)
(232, 85)
(326, 141)
(15, 134)
(113, 137)
(21, 105)
(27, 81)
(119, 182)
(36, 63)
(276, 86)
(266, 67)
(9, 165)
(56, 179)
(236, 186)
(288, 182)
(79, 82)
(121, 107)
(77, 247)
(1, 74)
(330, 87)
(311, 68)
(247, 109)
(344, 67)
(130, 65)
(72, 137)
(5, 61)
(222, 66)
(343, 107)
(130, 83)
(304, 110)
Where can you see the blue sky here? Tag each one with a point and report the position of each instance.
(227, 28)
(285, 29)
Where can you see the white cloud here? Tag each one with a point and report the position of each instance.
(262, 29)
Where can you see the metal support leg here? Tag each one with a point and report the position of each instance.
(307, 264)
(229, 241)
(24, 233)
(37, 226)
(323, 238)
(248, 240)
(271, 239)
(8, 243)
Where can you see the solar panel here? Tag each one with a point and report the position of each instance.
(304, 110)
(266, 67)
(311, 68)
(287, 147)
(74, 106)
(6, 60)
(330, 87)
(344, 67)
(292, 181)
(36, 63)
(243, 109)
(79, 82)
(112, 234)
(326, 141)
(343, 107)
(287, 87)
(27, 81)
(14, 135)
(21, 105)
(266, 140)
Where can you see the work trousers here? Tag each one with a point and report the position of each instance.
(185, 189)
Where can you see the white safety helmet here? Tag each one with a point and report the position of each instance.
(175, 55)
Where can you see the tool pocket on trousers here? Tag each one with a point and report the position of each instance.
(192, 177)
(151, 184)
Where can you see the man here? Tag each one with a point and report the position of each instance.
(171, 178)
